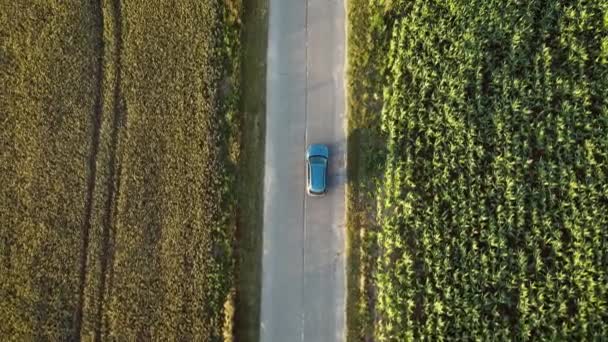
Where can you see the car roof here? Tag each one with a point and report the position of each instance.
(317, 177)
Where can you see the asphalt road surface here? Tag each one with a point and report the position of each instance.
(303, 280)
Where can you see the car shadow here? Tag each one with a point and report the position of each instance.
(336, 173)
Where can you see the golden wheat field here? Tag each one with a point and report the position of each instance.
(118, 147)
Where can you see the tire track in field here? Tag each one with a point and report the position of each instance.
(98, 26)
(119, 119)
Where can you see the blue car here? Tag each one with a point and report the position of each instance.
(317, 156)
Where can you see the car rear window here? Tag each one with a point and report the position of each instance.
(317, 160)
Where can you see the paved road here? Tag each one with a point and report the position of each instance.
(303, 281)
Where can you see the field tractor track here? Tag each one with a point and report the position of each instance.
(119, 119)
(109, 56)
(92, 164)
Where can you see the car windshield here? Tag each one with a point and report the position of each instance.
(316, 160)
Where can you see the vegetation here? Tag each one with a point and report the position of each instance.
(250, 187)
(121, 142)
(366, 147)
(493, 206)
(49, 86)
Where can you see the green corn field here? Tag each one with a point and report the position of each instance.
(491, 204)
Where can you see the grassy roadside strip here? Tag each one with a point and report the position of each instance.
(250, 173)
(364, 162)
